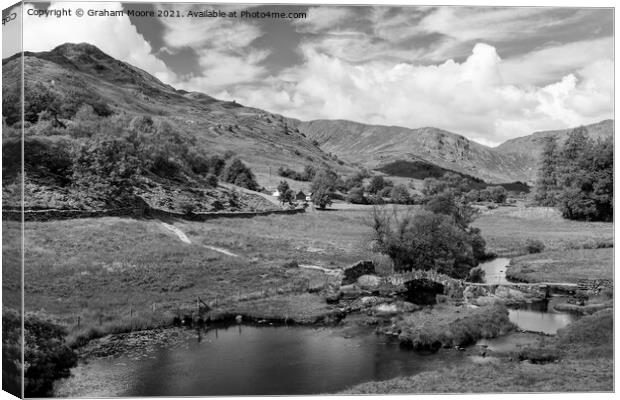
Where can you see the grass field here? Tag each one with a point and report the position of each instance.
(584, 351)
(563, 266)
(506, 230)
(119, 274)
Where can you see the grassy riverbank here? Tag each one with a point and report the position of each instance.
(507, 229)
(584, 353)
(108, 275)
(447, 326)
(563, 266)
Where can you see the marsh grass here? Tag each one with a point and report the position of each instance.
(447, 325)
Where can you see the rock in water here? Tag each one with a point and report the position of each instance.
(369, 281)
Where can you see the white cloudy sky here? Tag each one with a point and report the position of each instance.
(488, 73)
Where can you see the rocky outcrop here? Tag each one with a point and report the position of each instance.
(352, 273)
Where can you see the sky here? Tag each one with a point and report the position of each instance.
(490, 74)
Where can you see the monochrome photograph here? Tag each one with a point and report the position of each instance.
(228, 199)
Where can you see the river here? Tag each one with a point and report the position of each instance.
(278, 360)
(253, 360)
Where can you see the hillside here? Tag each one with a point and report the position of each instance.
(61, 81)
(374, 146)
(382, 147)
(527, 149)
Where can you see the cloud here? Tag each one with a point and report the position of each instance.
(546, 64)
(470, 97)
(115, 36)
(320, 19)
(224, 49)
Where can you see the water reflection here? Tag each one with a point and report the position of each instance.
(495, 270)
(540, 317)
(250, 360)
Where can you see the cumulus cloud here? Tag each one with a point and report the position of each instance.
(224, 48)
(546, 64)
(115, 36)
(471, 97)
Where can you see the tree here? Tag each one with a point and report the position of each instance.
(424, 240)
(497, 194)
(46, 355)
(286, 194)
(547, 184)
(108, 169)
(376, 184)
(237, 173)
(400, 194)
(323, 187)
(578, 177)
(433, 186)
(356, 196)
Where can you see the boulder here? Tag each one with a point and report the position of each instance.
(369, 281)
(353, 272)
(386, 309)
(350, 291)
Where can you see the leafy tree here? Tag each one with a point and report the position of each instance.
(237, 173)
(46, 355)
(323, 187)
(356, 196)
(107, 169)
(578, 177)
(376, 184)
(400, 194)
(448, 204)
(433, 186)
(497, 194)
(425, 240)
(547, 186)
(286, 194)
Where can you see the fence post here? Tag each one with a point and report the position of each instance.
(78, 321)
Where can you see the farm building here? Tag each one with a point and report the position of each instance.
(300, 196)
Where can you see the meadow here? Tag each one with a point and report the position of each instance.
(120, 274)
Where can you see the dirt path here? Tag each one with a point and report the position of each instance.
(183, 237)
(221, 250)
(180, 234)
(328, 271)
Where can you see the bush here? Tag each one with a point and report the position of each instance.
(46, 355)
(356, 196)
(323, 187)
(237, 173)
(425, 241)
(534, 246)
(211, 180)
(187, 207)
(476, 275)
(400, 194)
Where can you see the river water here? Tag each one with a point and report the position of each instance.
(536, 317)
(292, 360)
(252, 360)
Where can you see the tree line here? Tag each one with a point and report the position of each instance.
(577, 176)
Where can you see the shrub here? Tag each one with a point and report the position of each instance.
(237, 173)
(400, 194)
(476, 275)
(424, 241)
(187, 207)
(46, 355)
(323, 187)
(534, 246)
(356, 196)
(211, 180)
(376, 184)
